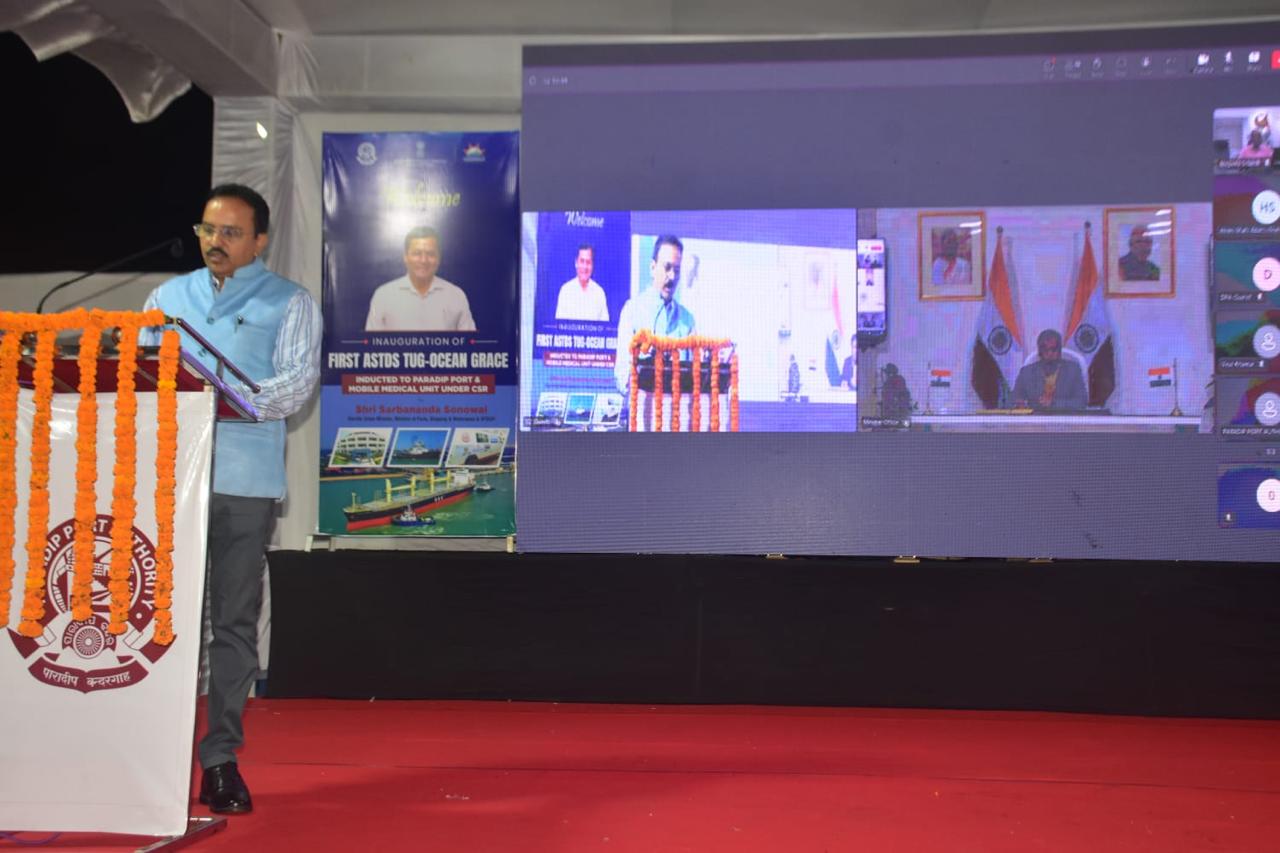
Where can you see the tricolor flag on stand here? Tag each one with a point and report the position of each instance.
(1160, 377)
(939, 390)
(997, 349)
(838, 348)
(1089, 328)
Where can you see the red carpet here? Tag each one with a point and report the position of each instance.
(488, 776)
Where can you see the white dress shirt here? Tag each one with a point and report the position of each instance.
(397, 306)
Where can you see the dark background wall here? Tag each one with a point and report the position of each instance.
(86, 185)
(1187, 639)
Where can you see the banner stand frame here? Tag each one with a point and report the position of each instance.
(198, 828)
(339, 542)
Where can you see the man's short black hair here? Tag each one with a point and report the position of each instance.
(422, 232)
(1048, 335)
(587, 247)
(667, 240)
(248, 195)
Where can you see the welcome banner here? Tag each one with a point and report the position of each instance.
(418, 393)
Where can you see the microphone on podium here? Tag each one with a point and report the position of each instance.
(173, 244)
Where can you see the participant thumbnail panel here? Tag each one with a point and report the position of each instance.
(1248, 407)
(1249, 496)
(1243, 139)
(1246, 273)
(1247, 206)
(1247, 340)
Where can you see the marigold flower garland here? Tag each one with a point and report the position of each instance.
(644, 341)
(86, 510)
(695, 410)
(733, 393)
(715, 387)
(10, 352)
(45, 329)
(38, 491)
(123, 503)
(675, 389)
(657, 390)
(166, 464)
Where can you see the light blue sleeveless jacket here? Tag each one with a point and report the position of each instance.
(242, 321)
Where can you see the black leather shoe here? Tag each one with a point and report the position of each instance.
(223, 790)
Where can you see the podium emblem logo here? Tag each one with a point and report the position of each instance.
(84, 656)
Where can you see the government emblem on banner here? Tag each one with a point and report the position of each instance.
(84, 656)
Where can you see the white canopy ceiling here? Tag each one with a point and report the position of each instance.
(449, 56)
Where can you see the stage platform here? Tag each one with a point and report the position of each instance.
(1176, 639)
(499, 776)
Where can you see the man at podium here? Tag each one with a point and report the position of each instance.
(270, 328)
(653, 309)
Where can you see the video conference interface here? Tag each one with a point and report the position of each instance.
(995, 247)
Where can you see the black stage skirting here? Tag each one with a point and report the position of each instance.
(1186, 639)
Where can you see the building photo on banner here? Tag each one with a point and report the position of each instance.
(418, 382)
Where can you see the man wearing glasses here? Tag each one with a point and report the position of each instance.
(270, 328)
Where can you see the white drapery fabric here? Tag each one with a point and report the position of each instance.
(147, 84)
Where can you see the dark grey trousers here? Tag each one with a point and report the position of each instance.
(239, 529)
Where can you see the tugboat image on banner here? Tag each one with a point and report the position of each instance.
(418, 448)
(409, 518)
(421, 495)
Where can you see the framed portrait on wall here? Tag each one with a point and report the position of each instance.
(1139, 252)
(953, 256)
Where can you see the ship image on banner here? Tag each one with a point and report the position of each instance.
(409, 501)
(418, 382)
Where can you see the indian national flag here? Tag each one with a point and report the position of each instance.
(1160, 377)
(940, 377)
(1089, 328)
(997, 347)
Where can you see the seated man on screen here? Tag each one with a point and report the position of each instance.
(581, 298)
(1051, 382)
(654, 309)
(949, 267)
(420, 300)
(1137, 265)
